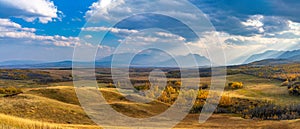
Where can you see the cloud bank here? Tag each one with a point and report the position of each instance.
(42, 10)
(13, 31)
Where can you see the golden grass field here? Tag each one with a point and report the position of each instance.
(56, 107)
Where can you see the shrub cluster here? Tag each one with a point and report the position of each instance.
(10, 91)
(169, 95)
(235, 85)
(249, 109)
(203, 86)
(269, 111)
(285, 83)
(294, 88)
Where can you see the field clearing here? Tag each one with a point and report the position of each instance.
(12, 122)
(261, 89)
(227, 121)
(55, 106)
(191, 121)
(19, 83)
(256, 88)
(39, 108)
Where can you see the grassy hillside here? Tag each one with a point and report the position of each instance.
(279, 72)
(43, 104)
(63, 94)
(228, 121)
(262, 89)
(43, 109)
(40, 104)
(10, 122)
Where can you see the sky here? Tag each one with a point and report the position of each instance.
(49, 30)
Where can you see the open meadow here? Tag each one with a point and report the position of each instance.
(46, 99)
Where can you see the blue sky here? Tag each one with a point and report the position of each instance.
(48, 30)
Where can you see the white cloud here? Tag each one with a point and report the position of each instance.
(88, 36)
(12, 31)
(43, 10)
(151, 37)
(103, 8)
(8, 23)
(271, 31)
(115, 10)
(256, 22)
(237, 48)
(259, 24)
(292, 32)
(294, 25)
(170, 35)
(113, 30)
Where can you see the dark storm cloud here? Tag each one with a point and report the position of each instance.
(227, 15)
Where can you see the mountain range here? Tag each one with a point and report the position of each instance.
(272, 57)
(152, 59)
(20, 62)
(159, 59)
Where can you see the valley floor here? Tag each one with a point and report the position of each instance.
(217, 121)
(227, 121)
(58, 104)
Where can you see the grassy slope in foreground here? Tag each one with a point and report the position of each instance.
(11, 122)
(255, 88)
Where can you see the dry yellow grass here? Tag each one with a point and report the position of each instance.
(261, 89)
(191, 121)
(43, 109)
(10, 122)
(255, 88)
(228, 121)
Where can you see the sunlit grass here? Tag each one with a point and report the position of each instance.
(10, 122)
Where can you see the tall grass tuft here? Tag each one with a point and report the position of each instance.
(10, 122)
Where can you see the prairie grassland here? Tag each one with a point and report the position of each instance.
(261, 89)
(256, 88)
(39, 108)
(57, 103)
(41, 95)
(191, 121)
(229, 121)
(10, 122)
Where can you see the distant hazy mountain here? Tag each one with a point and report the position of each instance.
(145, 59)
(289, 55)
(156, 59)
(20, 62)
(295, 58)
(62, 64)
(282, 58)
(191, 60)
(270, 62)
(272, 54)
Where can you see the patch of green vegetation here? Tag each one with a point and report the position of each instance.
(262, 89)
